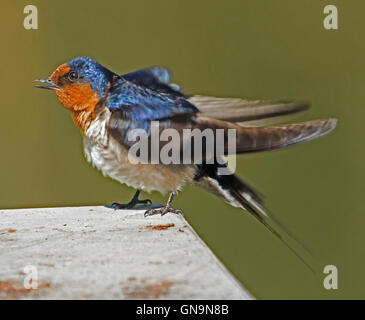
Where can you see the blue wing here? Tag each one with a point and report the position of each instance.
(134, 106)
(142, 103)
(155, 78)
(160, 74)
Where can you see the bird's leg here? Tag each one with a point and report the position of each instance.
(131, 204)
(166, 209)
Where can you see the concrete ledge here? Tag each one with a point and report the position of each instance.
(99, 253)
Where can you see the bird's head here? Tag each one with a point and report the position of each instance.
(79, 84)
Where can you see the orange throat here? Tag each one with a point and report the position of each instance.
(81, 101)
(82, 118)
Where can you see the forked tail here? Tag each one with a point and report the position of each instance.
(239, 194)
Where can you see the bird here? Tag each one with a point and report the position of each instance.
(107, 107)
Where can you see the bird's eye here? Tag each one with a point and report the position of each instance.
(73, 76)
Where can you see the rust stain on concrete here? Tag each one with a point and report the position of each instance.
(161, 226)
(147, 291)
(16, 290)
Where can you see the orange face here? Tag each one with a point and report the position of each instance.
(76, 96)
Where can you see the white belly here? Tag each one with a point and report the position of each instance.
(111, 158)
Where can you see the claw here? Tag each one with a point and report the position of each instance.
(117, 206)
(131, 204)
(161, 211)
(146, 201)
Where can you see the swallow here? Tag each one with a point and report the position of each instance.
(106, 107)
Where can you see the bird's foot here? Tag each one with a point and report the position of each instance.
(162, 211)
(129, 205)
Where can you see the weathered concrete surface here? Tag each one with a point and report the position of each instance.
(99, 253)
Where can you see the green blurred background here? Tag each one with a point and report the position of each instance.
(248, 48)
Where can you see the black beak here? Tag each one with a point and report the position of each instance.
(51, 85)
